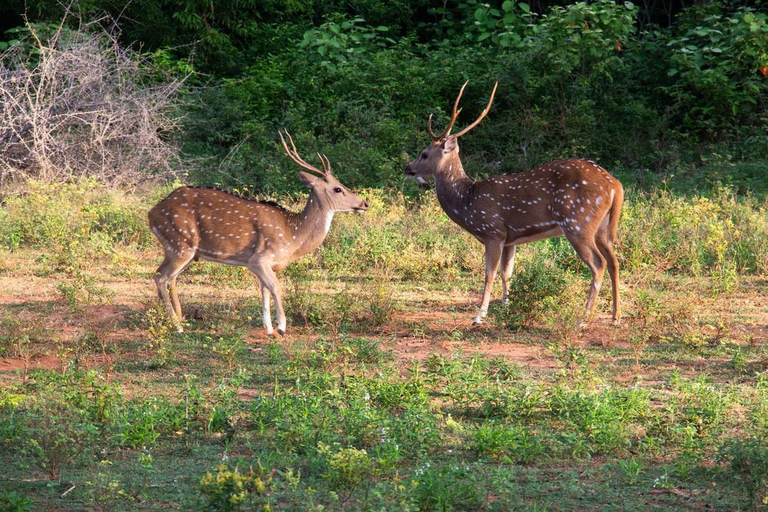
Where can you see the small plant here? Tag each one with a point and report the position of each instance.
(447, 488)
(229, 346)
(348, 468)
(511, 443)
(107, 490)
(749, 462)
(229, 489)
(54, 435)
(82, 289)
(531, 293)
(12, 501)
(381, 305)
(632, 470)
(160, 330)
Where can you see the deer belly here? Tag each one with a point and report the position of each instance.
(538, 236)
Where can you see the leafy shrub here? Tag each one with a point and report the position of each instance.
(532, 289)
(749, 462)
(348, 468)
(716, 63)
(513, 443)
(54, 435)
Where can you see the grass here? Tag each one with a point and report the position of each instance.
(382, 396)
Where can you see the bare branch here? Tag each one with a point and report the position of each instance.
(82, 105)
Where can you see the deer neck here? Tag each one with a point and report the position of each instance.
(452, 185)
(312, 225)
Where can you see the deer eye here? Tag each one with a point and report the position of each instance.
(337, 190)
(425, 155)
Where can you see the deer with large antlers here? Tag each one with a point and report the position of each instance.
(203, 223)
(574, 198)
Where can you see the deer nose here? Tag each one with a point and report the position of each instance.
(407, 170)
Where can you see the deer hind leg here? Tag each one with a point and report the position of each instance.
(165, 277)
(588, 251)
(606, 249)
(175, 297)
(507, 266)
(493, 252)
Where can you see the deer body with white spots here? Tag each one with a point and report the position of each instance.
(195, 223)
(574, 198)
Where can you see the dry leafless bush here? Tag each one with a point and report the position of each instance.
(78, 104)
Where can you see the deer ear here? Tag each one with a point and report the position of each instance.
(308, 179)
(450, 145)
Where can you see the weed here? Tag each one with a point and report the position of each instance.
(632, 470)
(12, 501)
(749, 462)
(381, 305)
(512, 443)
(54, 435)
(447, 488)
(229, 346)
(228, 489)
(348, 468)
(160, 329)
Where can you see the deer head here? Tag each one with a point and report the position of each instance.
(326, 189)
(444, 147)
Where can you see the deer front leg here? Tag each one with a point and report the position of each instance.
(266, 314)
(507, 265)
(269, 283)
(493, 252)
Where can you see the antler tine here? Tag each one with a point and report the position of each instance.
(454, 116)
(482, 115)
(294, 154)
(325, 162)
(456, 111)
(328, 163)
(429, 129)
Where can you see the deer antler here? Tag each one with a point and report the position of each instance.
(293, 154)
(454, 115)
(482, 114)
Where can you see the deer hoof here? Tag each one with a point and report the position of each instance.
(281, 332)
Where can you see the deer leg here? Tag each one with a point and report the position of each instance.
(591, 255)
(175, 297)
(606, 249)
(507, 265)
(493, 252)
(165, 276)
(269, 282)
(266, 313)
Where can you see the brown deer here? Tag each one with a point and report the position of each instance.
(574, 198)
(215, 225)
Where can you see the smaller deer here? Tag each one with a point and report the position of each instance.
(574, 198)
(215, 225)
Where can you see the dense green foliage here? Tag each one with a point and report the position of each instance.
(358, 81)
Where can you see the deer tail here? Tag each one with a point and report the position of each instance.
(615, 212)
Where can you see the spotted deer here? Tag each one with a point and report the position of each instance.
(203, 223)
(574, 198)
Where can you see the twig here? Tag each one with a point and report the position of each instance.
(68, 491)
